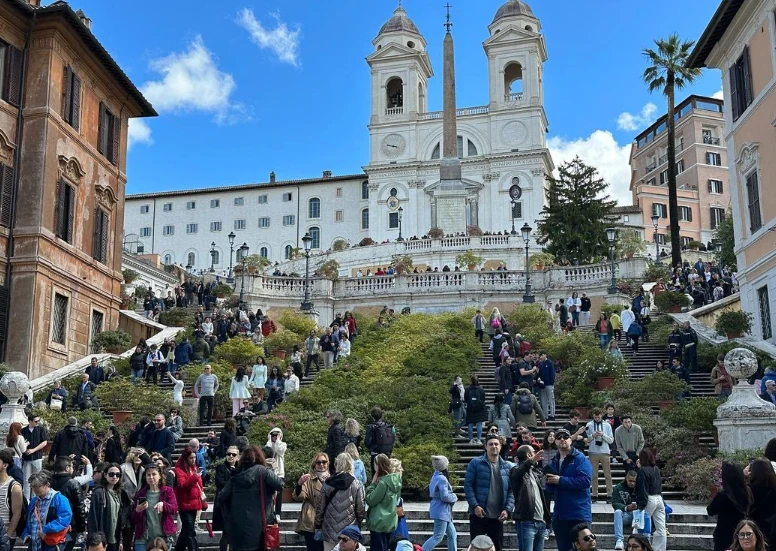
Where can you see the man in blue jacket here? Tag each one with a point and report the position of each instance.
(488, 492)
(570, 485)
(547, 393)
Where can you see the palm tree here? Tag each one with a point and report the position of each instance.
(666, 72)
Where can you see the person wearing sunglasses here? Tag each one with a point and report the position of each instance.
(109, 507)
(568, 476)
(748, 537)
(224, 473)
(350, 539)
(582, 539)
(307, 490)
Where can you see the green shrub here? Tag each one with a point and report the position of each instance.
(610, 309)
(659, 330)
(569, 349)
(668, 299)
(237, 351)
(118, 340)
(416, 462)
(655, 272)
(698, 477)
(129, 275)
(283, 339)
(734, 322)
(695, 414)
(176, 317)
(141, 399)
(531, 321)
(222, 290)
(296, 323)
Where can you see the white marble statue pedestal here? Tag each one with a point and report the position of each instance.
(14, 385)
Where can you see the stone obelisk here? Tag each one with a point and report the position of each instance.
(450, 194)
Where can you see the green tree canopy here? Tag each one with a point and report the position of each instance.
(577, 214)
(724, 235)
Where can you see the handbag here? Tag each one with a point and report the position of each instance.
(202, 498)
(271, 531)
(53, 538)
(56, 403)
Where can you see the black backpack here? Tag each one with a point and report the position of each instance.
(524, 403)
(383, 438)
(476, 401)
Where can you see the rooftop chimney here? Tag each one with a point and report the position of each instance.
(327, 173)
(272, 177)
(81, 15)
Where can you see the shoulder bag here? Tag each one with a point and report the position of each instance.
(54, 538)
(271, 531)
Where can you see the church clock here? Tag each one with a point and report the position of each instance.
(393, 145)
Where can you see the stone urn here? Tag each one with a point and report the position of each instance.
(14, 385)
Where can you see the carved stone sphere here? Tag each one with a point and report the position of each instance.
(14, 385)
(741, 363)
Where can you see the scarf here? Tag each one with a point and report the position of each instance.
(322, 476)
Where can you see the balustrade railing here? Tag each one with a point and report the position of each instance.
(394, 111)
(518, 96)
(480, 110)
(456, 242)
(494, 239)
(418, 244)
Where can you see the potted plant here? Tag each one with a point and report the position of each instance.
(662, 386)
(539, 260)
(118, 397)
(339, 245)
(733, 324)
(630, 244)
(222, 290)
(281, 342)
(468, 259)
(365, 242)
(255, 263)
(473, 230)
(701, 478)
(694, 245)
(111, 341)
(671, 301)
(436, 233)
(329, 269)
(129, 275)
(402, 263)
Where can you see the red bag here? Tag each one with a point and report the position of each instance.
(53, 538)
(271, 531)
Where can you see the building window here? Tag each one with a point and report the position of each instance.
(239, 224)
(740, 76)
(338, 193)
(713, 159)
(215, 203)
(289, 220)
(466, 148)
(71, 98)
(97, 319)
(215, 226)
(314, 208)
(660, 209)
(59, 319)
(264, 222)
(145, 232)
(365, 190)
(680, 166)
(517, 209)
(191, 205)
(685, 214)
(108, 135)
(101, 234)
(661, 238)
(339, 215)
(288, 197)
(287, 252)
(651, 182)
(765, 312)
(264, 252)
(10, 73)
(192, 228)
(65, 211)
(393, 220)
(144, 209)
(685, 240)
(365, 219)
(753, 200)
(216, 256)
(168, 230)
(238, 201)
(263, 199)
(315, 233)
(715, 186)
(626, 218)
(167, 259)
(191, 259)
(717, 216)
(167, 207)
(664, 178)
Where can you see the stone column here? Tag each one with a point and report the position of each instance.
(14, 385)
(744, 421)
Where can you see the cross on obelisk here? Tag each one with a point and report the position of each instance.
(448, 24)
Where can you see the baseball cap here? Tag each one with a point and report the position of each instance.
(562, 433)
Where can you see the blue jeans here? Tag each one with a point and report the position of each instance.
(562, 530)
(442, 528)
(530, 535)
(625, 518)
(479, 430)
(604, 338)
(137, 374)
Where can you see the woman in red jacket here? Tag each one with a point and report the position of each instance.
(188, 493)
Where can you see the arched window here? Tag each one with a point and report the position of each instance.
(513, 82)
(421, 98)
(191, 260)
(315, 233)
(263, 252)
(466, 148)
(168, 259)
(394, 91)
(216, 257)
(365, 189)
(314, 208)
(287, 252)
(365, 219)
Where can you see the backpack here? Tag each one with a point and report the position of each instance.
(476, 402)
(524, 403)
(495, 324)
(25, 505)
(383, 438)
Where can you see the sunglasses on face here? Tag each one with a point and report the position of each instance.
(745, 535)
(562, 437)
(113, 474)
(231, 455)
(588, 538)
(321, 462)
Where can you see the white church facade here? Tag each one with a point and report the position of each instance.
(500, 144)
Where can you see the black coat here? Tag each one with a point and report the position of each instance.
(472, 396)
(71, 440)
(335, 440)
(113, 452)
(99, 512)
(224, 474)
(65, 485)
(763, 511)
(520, 479)
(241, 500)
(728, 517)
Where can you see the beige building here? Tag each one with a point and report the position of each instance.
(740, 40)
(701, 166)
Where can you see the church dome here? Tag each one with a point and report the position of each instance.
(399, 22)
(513, 8)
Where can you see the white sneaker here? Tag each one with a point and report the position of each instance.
(618, 546)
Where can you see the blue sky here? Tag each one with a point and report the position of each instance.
(246, 87)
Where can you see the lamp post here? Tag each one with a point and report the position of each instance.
(400, 238)
(243, 253)
(528, 297)
(231, 237)
(188, 268)
(718, 250)
(611, 234)
(307, 240)
(212, 257)
(655, 220)
(513, 217)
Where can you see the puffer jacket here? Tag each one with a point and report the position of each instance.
(341, 503)
(501, 416)
(188, 488)
(382, 499)
(477, 484)
(572, 492)
(308, 494)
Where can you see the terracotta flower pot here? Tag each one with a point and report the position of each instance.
(665, 404)
(539, 266)
(733, 334)
(602, 383)
(279, 354)
(674, 308)
(120, 416)
(472, 267)
(583, 411)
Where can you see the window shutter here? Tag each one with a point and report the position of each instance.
(5, 296)
(67, 87)
(102, 131)
(104, 237)
(75, 100)
(721, 186)
(70, 192)
(747, 78)
(709, 186)
(59, 216)
(734, 91)
(713, 218)
(5, 196)
(96, 234)
(116, 128)
(689, 214)
(14, 86)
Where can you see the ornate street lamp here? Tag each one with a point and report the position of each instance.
(189, 267)
(212, 257)
(231, 237)
(513, 232)
(611, 235)
(307, 241)
(400, 238)
(655, 220)
(243, 254)
(528, 297)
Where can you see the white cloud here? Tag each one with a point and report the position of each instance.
(281, 40)
(601, 150)
(719, 94)
(629, 122)
(139, 132)
(192, 81)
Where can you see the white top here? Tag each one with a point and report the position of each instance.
(258, 376)
(177, 392)
(5, 510)
(344, 347)
(626, 318)
(19, 448)
(207, 327)
(574, 302)
(239, 389)
(291, 384)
